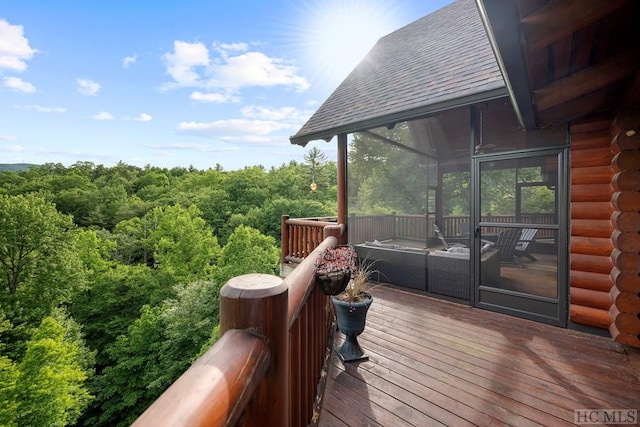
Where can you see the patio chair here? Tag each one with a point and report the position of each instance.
(506, 243)
(526, 237)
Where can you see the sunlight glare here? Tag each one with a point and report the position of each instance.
(338, 34)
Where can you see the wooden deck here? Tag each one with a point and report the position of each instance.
(434, 362)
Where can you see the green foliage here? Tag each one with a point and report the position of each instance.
(384, 178)
(184, 247)
(9, 403)
(39, 262)
(247, 251)
(130, 258)
(157, 348)
(113, 303)
(50, 389)
(122, 389)
(456, 185)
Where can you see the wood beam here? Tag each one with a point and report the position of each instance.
(588, 80)
(342, 182)
(602, 99)
(560, 18)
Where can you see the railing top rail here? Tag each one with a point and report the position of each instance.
(309, 222)
(302, 278)
(215, 390)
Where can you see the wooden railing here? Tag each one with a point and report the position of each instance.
(300, 236)
(267, 367)
(364, 228)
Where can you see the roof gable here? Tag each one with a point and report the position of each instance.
(440, 61)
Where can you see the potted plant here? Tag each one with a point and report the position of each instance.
(351, 307)
(334, 267)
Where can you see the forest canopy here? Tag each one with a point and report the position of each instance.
(110, 276)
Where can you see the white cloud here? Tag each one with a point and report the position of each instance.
(87, 87)
(182, 62)
(14, 47)
(8, 138)
(257, 69)
(41, 109)
(18, 85)
(103, 115)
(190, 146)
(144, 117)
(129, 60)
(241, 130)
(218, 98)
(289, 114)
(235, 67)
(225, 48)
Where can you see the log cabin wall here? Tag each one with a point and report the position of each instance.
(605, 225)
(625, 275)
(590, 241)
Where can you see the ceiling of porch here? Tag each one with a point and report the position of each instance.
(565, 59)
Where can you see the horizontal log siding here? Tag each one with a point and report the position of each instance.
(625, 275)
(591, 229)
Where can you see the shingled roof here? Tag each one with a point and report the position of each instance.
(441, 61)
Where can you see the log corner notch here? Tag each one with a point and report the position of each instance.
(625, 275)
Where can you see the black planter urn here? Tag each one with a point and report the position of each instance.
(351, 317)
(334, 282)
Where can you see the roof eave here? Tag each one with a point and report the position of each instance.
(392, 119)
(501, 21)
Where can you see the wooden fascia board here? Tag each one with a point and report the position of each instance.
(392, 119)
(588, 80)
(501, 21)
(560, 19)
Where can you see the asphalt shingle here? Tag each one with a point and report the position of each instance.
(441, 57)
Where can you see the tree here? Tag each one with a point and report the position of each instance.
(9, 403)
(313, 169)
(157, 349)
(39, 261)
(8, 380)
(113, 303)
(384, 177)
(50, 390)
(184, 247)
(247, 251)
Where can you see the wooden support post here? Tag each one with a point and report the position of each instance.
(284, 239)
(342, 184)
(259, 302)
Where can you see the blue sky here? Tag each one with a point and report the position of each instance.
(173, 83)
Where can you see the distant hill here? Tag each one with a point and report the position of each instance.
(15, 166)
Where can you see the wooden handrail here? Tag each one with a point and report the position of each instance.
(301, 279)
(267, 367)
(216, 388)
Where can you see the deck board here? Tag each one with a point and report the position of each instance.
(434, 362)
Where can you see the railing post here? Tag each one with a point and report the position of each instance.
(342, 185)
(284, 239)
(260, 302)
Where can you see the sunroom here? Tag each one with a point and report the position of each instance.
(445, 193)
